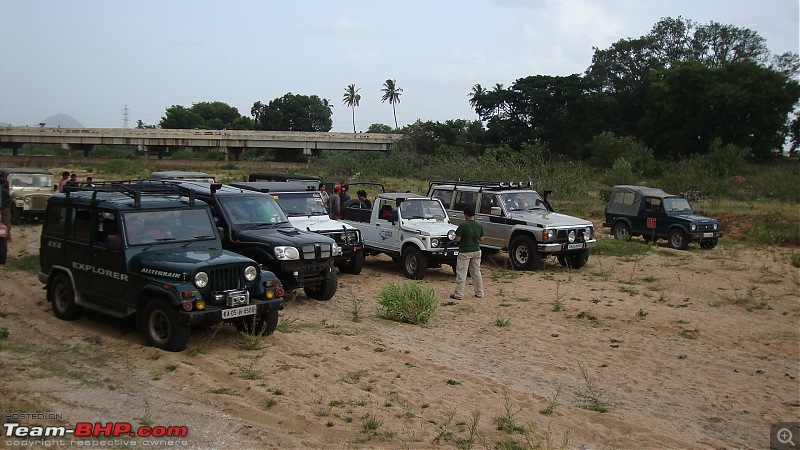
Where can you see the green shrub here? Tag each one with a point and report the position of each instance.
(407, 302)
(119, 166)
(621, 173)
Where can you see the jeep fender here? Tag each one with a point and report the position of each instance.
(151, 290)
(519, 232)
(678, 226)
(416, 242)
(624, 220)
(260, 256)
(259, 288)
(58, 270)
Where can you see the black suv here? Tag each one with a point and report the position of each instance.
(653, 214)
(253, 225)
(153, 254)
(305, 209)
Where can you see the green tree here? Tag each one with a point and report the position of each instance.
(379, 128)
(351, 99)
(178, 117)
(293, 112)
(391, 93)
(216, 115)
(744, 104)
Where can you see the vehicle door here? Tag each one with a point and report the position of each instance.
(653, 218)
(110, 272)
(462, 199)
(380, 232)
(495, 231)
(77, 246)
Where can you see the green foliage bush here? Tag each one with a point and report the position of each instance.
(407, 302)
(621, 173)
(126, 167)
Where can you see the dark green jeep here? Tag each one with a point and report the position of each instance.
(153, 254)
(654, 214)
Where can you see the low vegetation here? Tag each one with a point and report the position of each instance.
(407, 302)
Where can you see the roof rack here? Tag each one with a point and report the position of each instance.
(484, 184)
(135, 189)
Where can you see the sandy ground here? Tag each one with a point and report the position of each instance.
(686, 349)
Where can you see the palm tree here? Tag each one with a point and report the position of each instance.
(392, 93)
(351, 98)
(476, 98)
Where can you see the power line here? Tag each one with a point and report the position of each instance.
(126, 116)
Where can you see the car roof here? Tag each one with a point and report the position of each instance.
(481, 186)
(401, 195)
(24, 170)
(273, 186)
(119, 201)
(204, 188)
(642, 190)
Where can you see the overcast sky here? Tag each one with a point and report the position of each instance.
(93, 58)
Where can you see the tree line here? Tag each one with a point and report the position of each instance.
(676, 92)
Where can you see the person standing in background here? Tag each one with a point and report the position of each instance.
(63, 181)
(5, 203)
(335, 204)
(324, 191)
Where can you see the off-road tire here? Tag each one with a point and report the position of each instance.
(62, 298)
(355, 264)
(574, 260)
(413, 263)
(161, 326)
(523, 253)
(263, 325)
(326, 290)
(708, 244)
(677, 239)
(621, 231)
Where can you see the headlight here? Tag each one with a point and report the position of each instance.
(250, 273)
(451, 235)
(201, 280)
(287, 253)
(336, 249)
(587, 233)
(693, 226)
(434, 242)
(571, 236)
(549, 235)
(716, 226)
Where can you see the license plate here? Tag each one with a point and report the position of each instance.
(574, 246)
(708, 234)
(239, 312)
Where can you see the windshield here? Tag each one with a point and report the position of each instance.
(677, 205)
(251, 211)
(153, 226)
(20, 180)
(423, 208)
(301, 203)
(522, 201)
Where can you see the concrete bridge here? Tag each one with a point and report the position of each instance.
(230, 142)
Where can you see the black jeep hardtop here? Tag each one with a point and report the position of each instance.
(653, 214)
(252, 224)
(154, 255)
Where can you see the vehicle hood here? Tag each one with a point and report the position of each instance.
(181, 265)
(549, 219)
(427, 227)
(289, 236)
(694, 218)
(28, 190)
(318, 224)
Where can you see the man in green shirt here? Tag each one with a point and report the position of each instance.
(469, 235)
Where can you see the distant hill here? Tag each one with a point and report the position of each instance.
(62, 120)
(4, 124)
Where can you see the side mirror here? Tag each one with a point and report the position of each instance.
(113, 242)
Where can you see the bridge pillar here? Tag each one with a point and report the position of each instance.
(158, 149)
(14, 146)
(312, 152)
(235, 151)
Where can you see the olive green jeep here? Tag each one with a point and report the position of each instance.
(153, 254)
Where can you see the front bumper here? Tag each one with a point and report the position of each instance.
(294, 274)
(556, 247)
(705, 235)
(214, 313)
(445, 256)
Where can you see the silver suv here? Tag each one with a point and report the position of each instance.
(517, 219)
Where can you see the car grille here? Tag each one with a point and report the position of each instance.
(350, 237)
(316, 251)
(705, 227)
(563, 235)
(225, 278)
(39, 202)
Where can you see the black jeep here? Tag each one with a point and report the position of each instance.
(152, 254)
(252, 224)
(654, 214)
